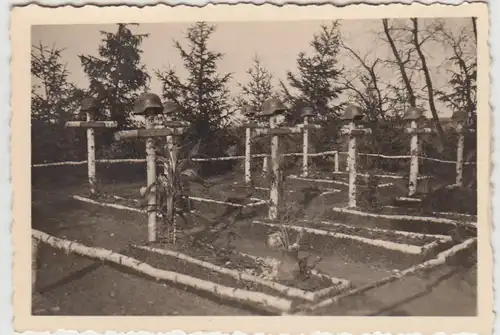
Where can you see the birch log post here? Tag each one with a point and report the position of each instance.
(91, 156)
(353, 114)
(353, 132)
(248, 155)
(336, 161)
(351, 163)
(265, 166)
(460, 156)
(276, 192)
(414, 152)
(414, 115)
(89, 106)
(150, 181)
(149, 105)
(305, 148)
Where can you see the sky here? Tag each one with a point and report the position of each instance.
(276, 43)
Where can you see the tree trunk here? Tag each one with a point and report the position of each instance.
(430, 88)
(401, 65)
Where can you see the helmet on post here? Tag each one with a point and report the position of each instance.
(248, 111)
(148, 104)
(170, 107)
(88, 103)
(414, 114)
(306, 111)
(352, 113)
(271, 107)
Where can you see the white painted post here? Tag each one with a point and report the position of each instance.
(336, 161)
(414, 152)
(276, 178)
(460, 156)
(351, 164)
(305, 148)
(265, 165)
(90, 125)
(353, 114)
(248, 155)
(151, 179)
(91, 156)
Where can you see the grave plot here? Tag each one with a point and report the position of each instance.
(238, 270)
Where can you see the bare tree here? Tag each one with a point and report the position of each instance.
(417, 43)
(365, 86)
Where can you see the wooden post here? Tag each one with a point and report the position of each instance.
(150, 133)
(90, 125)
(353, 114)
(336, 161)
(276, 186)
(151, 179)
(305, 148)
(248, 155)
(91, 156)
(414, 152)
(414, 131)
(353, 131)
(351, 163)
(460, 156)
(265, 165)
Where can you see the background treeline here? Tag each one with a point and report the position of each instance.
(321, 80)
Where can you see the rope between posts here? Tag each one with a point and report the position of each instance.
(227, 158)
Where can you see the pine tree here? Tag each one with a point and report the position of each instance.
(204, 94)
(259, 87)
(54, 100)
(117, 76)
(317, 74)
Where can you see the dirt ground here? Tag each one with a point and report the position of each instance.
(71, 285)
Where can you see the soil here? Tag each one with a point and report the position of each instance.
(364, 232)
(78, 286)
(232, 261)
(348, 250)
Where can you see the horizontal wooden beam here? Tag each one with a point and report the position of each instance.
(174, 124)
(309, 126)
(145, 133)
(254, 126)
(419, 130)
(91, 124)
(279, 131)
(356, 132)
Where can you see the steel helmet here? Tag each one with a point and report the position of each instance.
(148, 103)
(272, 106)
(248, 111)
(353, 112)
(307, 111)
(170, 107)
(88, 103)
(414, 113)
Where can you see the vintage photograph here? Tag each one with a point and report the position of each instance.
(312, 167)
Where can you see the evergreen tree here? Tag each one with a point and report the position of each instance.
(117, 76)
(53, 96)
(316, 79)
(203, 95)
(54, 100)
(259, 87)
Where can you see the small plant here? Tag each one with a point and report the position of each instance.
(291, 266)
